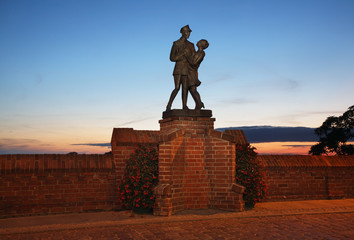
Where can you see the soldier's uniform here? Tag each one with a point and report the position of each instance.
(179, 50)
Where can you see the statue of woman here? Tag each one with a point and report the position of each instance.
(192, 81)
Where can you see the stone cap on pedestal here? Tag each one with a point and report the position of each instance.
(191, 120)
(186, 113)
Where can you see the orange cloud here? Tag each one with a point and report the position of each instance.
(301, 148)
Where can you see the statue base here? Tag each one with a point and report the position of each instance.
(186, 113)
(196, 165)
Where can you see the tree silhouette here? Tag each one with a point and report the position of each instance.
(334, 133)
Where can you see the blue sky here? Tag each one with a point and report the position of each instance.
(71, 71)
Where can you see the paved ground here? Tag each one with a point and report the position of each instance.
(320, 219)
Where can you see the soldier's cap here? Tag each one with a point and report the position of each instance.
(185, 28)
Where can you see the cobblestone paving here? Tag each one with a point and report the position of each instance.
(312, 226)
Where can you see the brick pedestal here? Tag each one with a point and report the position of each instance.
(196, 165)
(196, 162)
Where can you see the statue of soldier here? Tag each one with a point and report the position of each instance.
(181, 50)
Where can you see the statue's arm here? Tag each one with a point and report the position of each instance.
(174, 55)
(196, 59)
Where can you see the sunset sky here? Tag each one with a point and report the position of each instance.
(71, 71)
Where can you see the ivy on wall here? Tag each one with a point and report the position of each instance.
(136, 190)
(250, 174)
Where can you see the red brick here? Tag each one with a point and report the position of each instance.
(39, 187)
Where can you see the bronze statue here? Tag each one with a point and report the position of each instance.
(185, 72)
(192, 80)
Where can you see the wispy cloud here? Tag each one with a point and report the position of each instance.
(38, 79)
(296, 118)
(17, 141)
(93, 144)
(239, 101)
(134, 121)
(222, 78)
(270, 77)
(291, 84)
(280, 83)
(296, 146)
(18, 145)
(329, 113)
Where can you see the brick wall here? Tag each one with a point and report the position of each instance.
(297, 177)
(48, 183)
(199, 160)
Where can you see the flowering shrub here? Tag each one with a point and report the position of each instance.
(140, 177)
(250, 175)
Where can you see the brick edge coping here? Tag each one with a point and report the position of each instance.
(305, 161)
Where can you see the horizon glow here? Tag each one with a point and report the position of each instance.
(71, 71)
